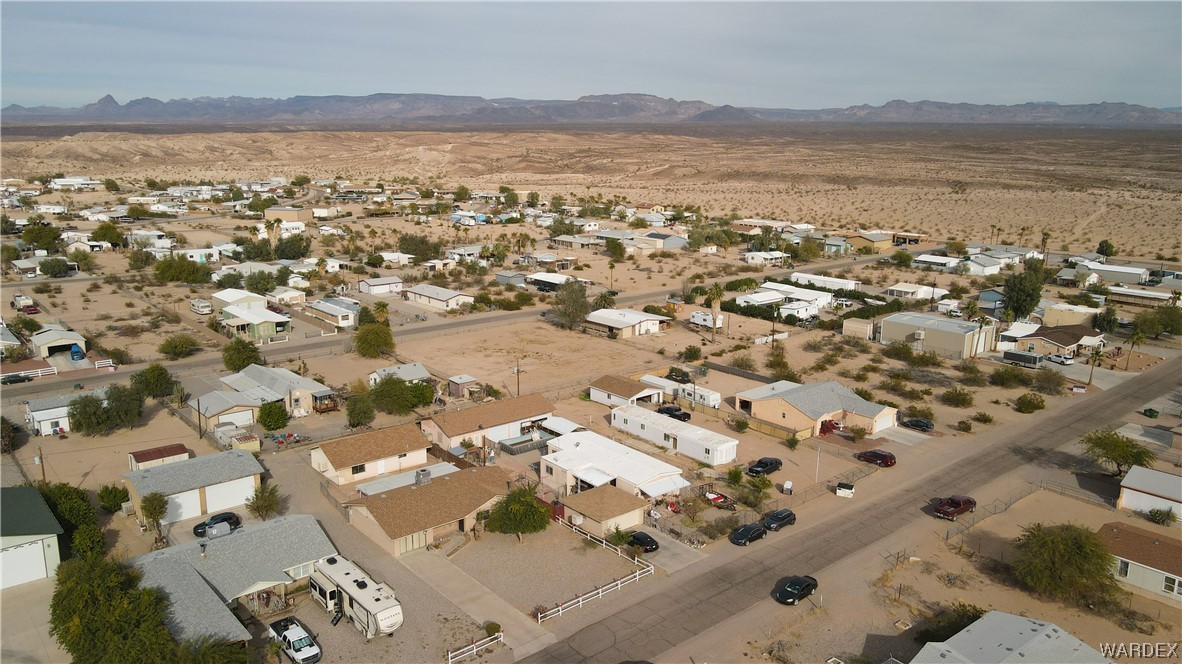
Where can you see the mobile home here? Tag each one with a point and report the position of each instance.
(344, 589)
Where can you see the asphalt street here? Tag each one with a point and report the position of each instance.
(690, 605)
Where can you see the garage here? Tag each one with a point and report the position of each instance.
(241, 418)
(183, 506)
(22, 563)
(52, 339)
(223, 496)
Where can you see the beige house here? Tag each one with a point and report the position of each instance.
(1068, 314)
(601, 510)
(284, 213)
(157, 456)
(876, 242)
(368, 455)
(411, 517)
(1148, 560)
(225, 407)
(488, 423)
(805, 407)
(1063, 339)
(625, 323)
(946, 337)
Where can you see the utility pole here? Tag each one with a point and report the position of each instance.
(518, 372)
(41, 460)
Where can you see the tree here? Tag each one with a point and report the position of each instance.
(365, 316)
(109, 231)
(153, 507)
(293, 248)
(124, 407)
(37, 236)
(615, 249)
(273, 415)
(180, 268)
(1169, 320)
(239, 354)
(1095, 356)
(462, 194)
(603, 301)
(154, 381)
(139, 259)
(111, 186)
(177, 346)
(901, 258)
(230, 280)
(87, 541)
(88, 416)
(9, 436)
(260, 283)
(1106, 249)
(22, 324)
(1135, 339)
(264, 503)
(9, 253)
(1023, 292)
(957, 247)
(715, 294)
(393, 395)
(373, 340)
(531, 199)
(1065, 562)
(301, 181)
(570, 304)
(112, 496)
(1106, 321)
(54, 267)
(85, 260)
(381, 312)
(359, 410)
(519, 512)
(1110, 448)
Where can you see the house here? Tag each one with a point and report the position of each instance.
(762, 298)
(52, 339)
(226, 408)
(548, 281)
(324, 265)
(670, 242)
(31, 266)
(602, 510)
(157, 456)
(583, 460)
(1007, 259)
(764, 258)
(1004, 638)
(982, 265)
(329, 212)
(585, 225)
(470, 253)
(946, 337)
(510, 278)
(836, 246)
(287, 213)
(380, 285)
(199, 486)
(874, 243)
(704, 445)
(832, 283)
(821, 299)
(439, 265)
(909, 291)
(488, 423)
(622, 391)
(204, 256)
(942, 263)
(287, 296)
(801, 310)
(668, 387)
(1068, 314)
(575, 242)
(368, 455)
(207, 579)
(991, 301)
(1147, 560)
(254, 324)
(436, 297)
(411, 517)
(1113, 274)
(29, 546)
(1087, 257)
(626, 323)
(1068, 340)
(51, 415)
(1144, 489)
(338, 311)
(412, 373)
(397, 259)
(8, 340)
(237, 296)
(805, 407)
(299, 395)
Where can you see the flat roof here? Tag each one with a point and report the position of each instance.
(1154, 482)
(404, 479)
(587, 449)
(933, 322)
(672, 426)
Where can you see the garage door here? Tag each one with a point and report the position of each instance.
(22, 564)
(228, 494)
(241, 418)
(183, 506)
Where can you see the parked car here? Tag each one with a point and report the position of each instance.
(274, 308)
(14, 379)
(919, 424)
(612, 293)
(747, 534)
(953, 506)
(678, 375)
(765, 466)
(30, 309)
(675, 412)
(643, 540)
(876, 457)
(1058, 358)
(795, 589)
(295, 640)
(778, 519)
(225, 517)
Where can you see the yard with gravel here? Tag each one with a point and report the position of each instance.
(547, 568)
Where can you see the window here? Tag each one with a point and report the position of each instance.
(625, 420)
(1122, 569)
(402, 456)
(1171, 585)
(300, 571)
(549, 470)
(667, 438)
(358, 469)
(642, 427)
(56, 424)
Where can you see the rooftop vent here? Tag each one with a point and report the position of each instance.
(422, 476)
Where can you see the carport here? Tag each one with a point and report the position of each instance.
(54, 339)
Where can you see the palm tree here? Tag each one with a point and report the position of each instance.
(611, 274)
(381, 311)
(715, 293)
(1135, 339)
(272, 226)
(972, 310)
(1096, 355)
(604, 301)
(321, 266)
(1046, 236)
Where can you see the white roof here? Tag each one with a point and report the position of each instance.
(584, 450)
(760, 297)
(254, 316)
(1019, 330)
(235, 294)
(1148, 480)
(672, 426)
(382, 281)
(550, 277)
(1003, 638)
(561, 425)
(1139, 292)
(434, 292)
(657, 381)
(795, 292)
(620, 318)
(1104, 267)
(931, 258)
(50, 337)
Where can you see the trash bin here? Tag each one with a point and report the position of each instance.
(845, 490)
(1151, 413)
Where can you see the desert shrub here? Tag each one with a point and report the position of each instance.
(741, 424)
(1049, 381)
(983, 417)
(1010, 377)
(744, 362)
(111, 497)
(792, 442)
(734, 475)
(948, 624)
(857, 434)
(965, 426)
(721, 526)
(922, 411)
(1029, 402)
(815, 345)
(864, 393)
(887, 402)
(1162, 517)
(177, 346)
(957, 397)
(492, 628)
(974, 380)
(898, 350)
(926, 359)
(691, 353)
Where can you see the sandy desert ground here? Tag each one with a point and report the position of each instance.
(1081, 185)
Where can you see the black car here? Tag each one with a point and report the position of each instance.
(748, 534)
(765, 466)
(778, 519)
(876, 457)
(644, 541)
(794, 589)
(612, 293)
(14, 379)
(225, 517)
(675, 412)
(919, 424)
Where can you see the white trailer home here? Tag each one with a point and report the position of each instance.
(698, 395)
(693, 441)
(343, 588)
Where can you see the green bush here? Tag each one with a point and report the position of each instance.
(721, 526)
(974, 380)
(965, 426)
(926, 359)
(273, 416)
(1162, 517)
(743, 362)
(734, 475)
(864, 393)
(792, 442)
(947, 625)
(111, 497)
(492, 628)
(983, 417)
(1049, 381)
(857, 433)
(957, 397)
(922, 411)
(1029, 402)
(898, 350)
(741, 424)
(691, 353)
(1010, 377)
(177, 346)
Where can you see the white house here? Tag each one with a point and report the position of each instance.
(397, 259)
(697, 394)
(626, 322)
(760, 299)
(51, 415)
(412, 372)
(288, 296)
(832, 283)
(198, 486)
(332, 310)
(1114, 274)
(371, 454)
(668, 387)
(329, 212)
(821, 299)
(699, 444)
(585, 225)
(1145, 559)
(436, 297)
(909, 291)
(945, 263)
(800, 309)
(29, 547)
(548, 280)
(583, 460)
(237, 296)
(983, 266)
(767, 258)
(199, 255)
(380, 285)
(620, 390)
(1144, 489)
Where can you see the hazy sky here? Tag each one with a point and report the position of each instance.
(769, 54)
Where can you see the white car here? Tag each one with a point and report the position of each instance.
(1061, 359)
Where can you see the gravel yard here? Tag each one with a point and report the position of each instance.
(548, 568)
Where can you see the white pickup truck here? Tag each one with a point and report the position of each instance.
(299, 645)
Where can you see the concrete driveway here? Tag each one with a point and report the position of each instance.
(672, 555)
(1104, 379)
(24, 624)
(903, 436)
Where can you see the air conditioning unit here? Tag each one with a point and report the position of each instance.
(576, 519)
(919, 335)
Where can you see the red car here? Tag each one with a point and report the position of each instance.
(876, 457)
(953, 506)
(30, 309)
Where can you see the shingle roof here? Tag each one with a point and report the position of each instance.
(434, 292)
(1161, 552)
(1065, 335)
(366, 447)
(23, 511)
(604, 502)
(174, 478)
(270, 383)
(411, 509)
(492, 414)
(62, 400)
(818, 399)
(621, 386)
(213, 403)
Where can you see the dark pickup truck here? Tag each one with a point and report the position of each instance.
(953, 506)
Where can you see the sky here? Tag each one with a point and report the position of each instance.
(802, 55)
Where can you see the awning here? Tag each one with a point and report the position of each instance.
(594, 476)
(323, 393)
(663, 486)
(235, 322)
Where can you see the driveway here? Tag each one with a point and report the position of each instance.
(672, 555)
(24, 624)
(903, 436)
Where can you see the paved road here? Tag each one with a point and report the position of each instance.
(690, 605)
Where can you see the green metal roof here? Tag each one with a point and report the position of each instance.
(24, 512)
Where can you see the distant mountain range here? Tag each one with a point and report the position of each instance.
(426, 109)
